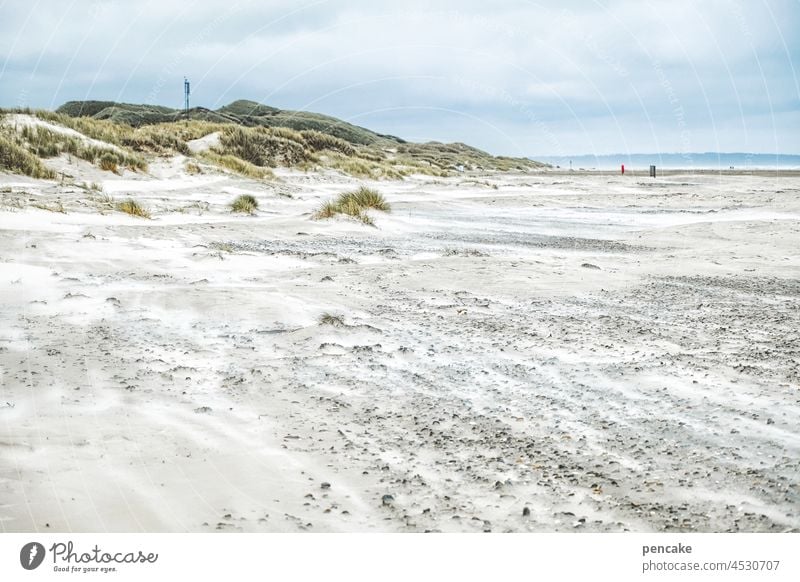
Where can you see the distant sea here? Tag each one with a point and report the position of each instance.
(696, 161)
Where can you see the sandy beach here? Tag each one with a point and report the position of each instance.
(540, 352)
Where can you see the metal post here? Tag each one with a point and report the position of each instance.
(186, 92)
(652, 171)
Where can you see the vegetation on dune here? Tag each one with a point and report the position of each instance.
(57, 206)
(108, 162)
(94, 108)
(318, 141)
(361, 167)
(46, 143)
(253, 138)
(15, 158)
(354, 204)
(244, 203)
(236, 165)
(163, 138)
(244, 109)
(433, 158)
(92, 187)
(367, 198)
(132, 207)
(103, 202)
(330, 319)
(192, 169)
(262, 146)
(242, 112)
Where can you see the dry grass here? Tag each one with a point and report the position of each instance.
(369, 198)
(318, 141)
(244, 203)
(108, 163)
(46, 143)
(236, 165)
(327, 210)
(103, 202)
(198, 207)
(330, 319)
(354, 204)
(132, 207)
(57, 206)
(264, 146)
(192, 169)
(361, 167)
(160, 138)
(15, 158)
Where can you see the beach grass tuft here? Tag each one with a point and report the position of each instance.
(245, 203)
(354, 204)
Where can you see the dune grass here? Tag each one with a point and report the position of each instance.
(159, 138)
(318, 141)
(103, 202)
(354, 204)
(132, 207)
(362, 165)
(236, 165)
(57, 206)
(108, 162)
(330, 319)
(46, 143)
(369, 198)
(192, 169)
(244, 203)
(253, 138)
(15, 158)
(264, 146)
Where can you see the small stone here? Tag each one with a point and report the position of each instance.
(387, 499)
(526, 512)
(325, 485)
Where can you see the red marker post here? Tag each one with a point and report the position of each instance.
(623, 169)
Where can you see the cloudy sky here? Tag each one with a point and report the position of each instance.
(511, 76)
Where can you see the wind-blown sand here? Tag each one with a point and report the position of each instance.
(611, 353)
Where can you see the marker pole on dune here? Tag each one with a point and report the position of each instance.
(623, 169)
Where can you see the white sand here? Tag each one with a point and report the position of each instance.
(171, 374)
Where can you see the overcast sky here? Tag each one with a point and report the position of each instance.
(511, 76)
